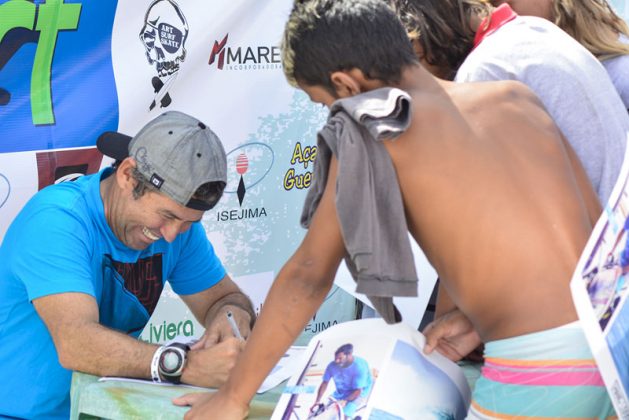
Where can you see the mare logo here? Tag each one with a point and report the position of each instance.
(23, 22)
(244, 57)
(251, 163)
(5, 189)
(218, 50)
(164, 37)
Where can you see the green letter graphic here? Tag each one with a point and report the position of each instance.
(54, 16)
(16, 14)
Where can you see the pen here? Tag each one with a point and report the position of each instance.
(232, 323)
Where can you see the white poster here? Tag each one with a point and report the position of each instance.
(600, 288)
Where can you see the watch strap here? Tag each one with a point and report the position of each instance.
(155, 364)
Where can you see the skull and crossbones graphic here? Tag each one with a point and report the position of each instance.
(164, 35)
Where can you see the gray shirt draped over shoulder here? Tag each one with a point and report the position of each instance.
(368, 198)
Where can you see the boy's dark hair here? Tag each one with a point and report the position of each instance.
(324, 36)
(345, 349)
(442, 29)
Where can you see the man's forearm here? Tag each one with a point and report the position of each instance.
(236, 299)
(321, 391)
(100, 351)
(84, 344)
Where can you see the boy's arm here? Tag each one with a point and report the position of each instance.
(295, 296)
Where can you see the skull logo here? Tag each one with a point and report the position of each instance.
(164, 36)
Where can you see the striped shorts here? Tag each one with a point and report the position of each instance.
(545, 375)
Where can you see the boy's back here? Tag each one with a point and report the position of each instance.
(496, 202)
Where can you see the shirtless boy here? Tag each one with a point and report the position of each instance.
(494, 196)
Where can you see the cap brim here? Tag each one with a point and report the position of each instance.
(113, 144)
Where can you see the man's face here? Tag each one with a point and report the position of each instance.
(342, 359)
(541, 8)
(140, 222)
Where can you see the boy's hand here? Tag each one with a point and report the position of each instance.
(452, 334)
(211, 406)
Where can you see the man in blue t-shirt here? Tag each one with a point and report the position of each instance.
(352, 380)
(84, 264)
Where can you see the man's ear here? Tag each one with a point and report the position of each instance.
(124, 174)
(345, 84)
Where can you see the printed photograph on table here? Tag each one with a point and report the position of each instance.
(600, 287)
(366, 369)
(334, 372)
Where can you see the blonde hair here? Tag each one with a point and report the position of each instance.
(594, 24)
(303, 14)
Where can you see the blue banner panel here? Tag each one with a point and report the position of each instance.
(57, 87)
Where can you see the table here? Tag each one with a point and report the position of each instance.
(129, 400)
(92, 399)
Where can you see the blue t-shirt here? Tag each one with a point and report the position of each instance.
(60, 242)
(347, 379)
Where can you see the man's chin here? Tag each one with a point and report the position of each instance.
(138, 241)
(140, 245)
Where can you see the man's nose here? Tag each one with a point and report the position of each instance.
(170, 231)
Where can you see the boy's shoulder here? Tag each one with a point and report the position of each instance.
(464, 109)
(471, 98)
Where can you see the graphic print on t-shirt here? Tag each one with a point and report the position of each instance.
(130, 292)
(143, 279)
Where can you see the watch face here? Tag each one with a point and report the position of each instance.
(171, 361)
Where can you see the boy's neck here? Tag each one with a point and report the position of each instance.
(416, 77)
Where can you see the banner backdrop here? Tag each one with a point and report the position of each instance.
(70, 70)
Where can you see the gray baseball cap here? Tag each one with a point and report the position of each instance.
(175, 152)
